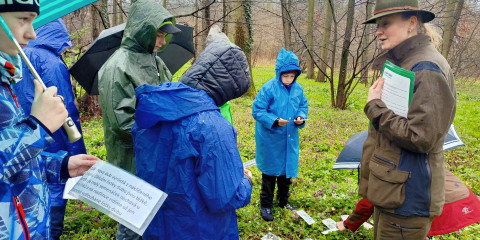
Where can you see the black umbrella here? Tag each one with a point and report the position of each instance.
(351, 154)
(175, 55)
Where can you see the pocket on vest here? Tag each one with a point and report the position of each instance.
(386, 184)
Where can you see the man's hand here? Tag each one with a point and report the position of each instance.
(79, 164)
(375, 91)
(48, 108)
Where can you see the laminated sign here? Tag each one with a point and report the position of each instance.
(119, 194)
(398, 88)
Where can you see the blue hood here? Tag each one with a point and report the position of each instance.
(169, 102)
(286, 61)
(52, 36)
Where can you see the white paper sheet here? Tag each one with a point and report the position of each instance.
(119, 194)
(396, 92)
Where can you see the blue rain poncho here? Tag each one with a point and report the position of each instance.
(186, 148)
(278, 147)
(45, 55)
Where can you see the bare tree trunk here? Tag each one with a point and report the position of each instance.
(120, 13)
(205, 26)
(310, 66)
(365, 44)
(225, 20)
(244, 37)
(322, 71)
(287, 27)
(115, 13)
(90, 104)
(341, 99)
(104, 14)
(95, 21)
(165, 3)
(454, 10)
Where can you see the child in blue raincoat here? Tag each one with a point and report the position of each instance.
(25, 168)
(186, 148)
(280, 109)
(45, 55)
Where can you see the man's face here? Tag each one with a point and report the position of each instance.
(160, 40)
(287, 78)
(20, 24)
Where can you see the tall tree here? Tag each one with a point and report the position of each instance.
(310, 66)
(196, 29)
(244, 36)
(205, 25)
(225, 14)
(454, 10)
(165, 3)
(287, 27)
(322, 71)
(365, 43)
(104, 14)
(341, 98)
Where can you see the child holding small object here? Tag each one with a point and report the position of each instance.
(280, 101)
(25, 167)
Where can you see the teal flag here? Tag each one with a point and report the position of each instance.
(53, 9)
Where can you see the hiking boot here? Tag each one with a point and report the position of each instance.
(266, 214)
(288, 206)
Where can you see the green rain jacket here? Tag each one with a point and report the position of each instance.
(131, 66)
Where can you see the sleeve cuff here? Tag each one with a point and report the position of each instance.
(373, 111)
(64, 174)
(248, 178)
(275, 124)
(32, 121)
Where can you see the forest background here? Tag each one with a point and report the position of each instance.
(335, 51)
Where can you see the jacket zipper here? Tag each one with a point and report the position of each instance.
(429, 172)
(13, 95)
(386, 161)
(21, 217)
(155, 63)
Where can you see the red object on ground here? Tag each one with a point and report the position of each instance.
(457, 215)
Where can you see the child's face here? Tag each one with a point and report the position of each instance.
(287, 78)
(160, 40)
(20, 23)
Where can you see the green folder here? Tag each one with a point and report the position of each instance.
(402, 72)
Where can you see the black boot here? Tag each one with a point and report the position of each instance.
(288, 206)
(266, 214)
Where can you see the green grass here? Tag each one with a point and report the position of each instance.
(319, 190)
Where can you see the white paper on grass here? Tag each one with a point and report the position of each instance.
(119, 194)
(306, 217)
(270, 236)
(330, 223)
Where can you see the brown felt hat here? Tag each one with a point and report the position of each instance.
(387, 7)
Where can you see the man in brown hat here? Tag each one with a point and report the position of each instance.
(402, 166)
